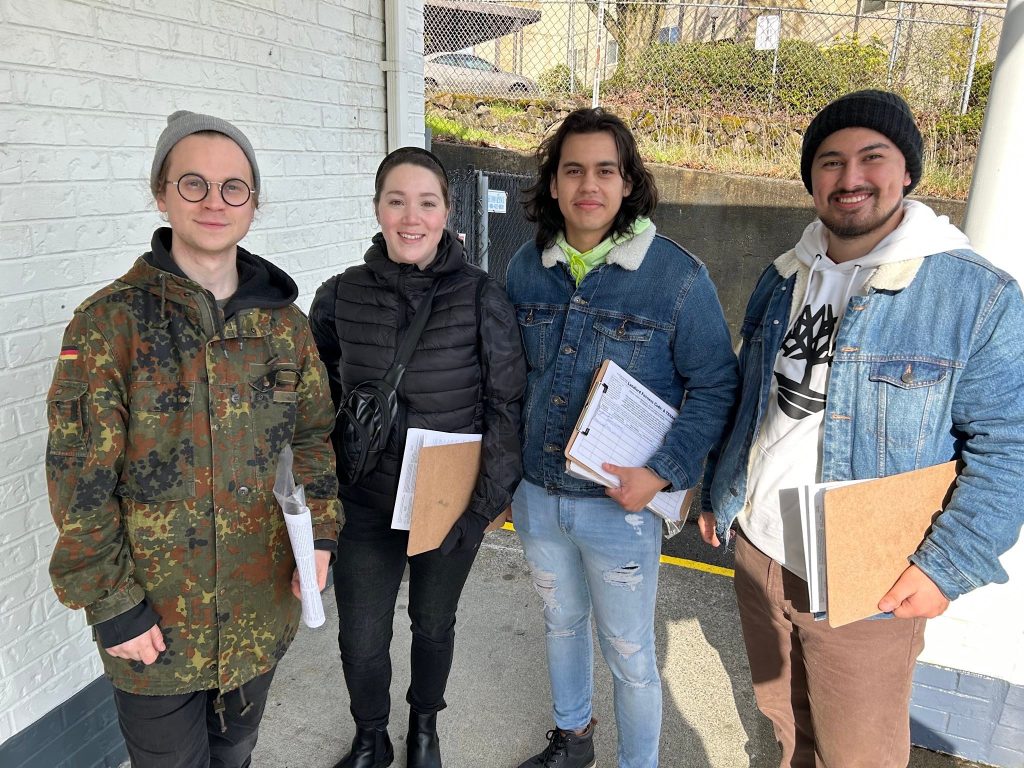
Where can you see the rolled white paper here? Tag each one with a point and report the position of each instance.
(300, 531)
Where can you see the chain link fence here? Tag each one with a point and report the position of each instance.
(486, 210)
(724, 84)
(750, 52)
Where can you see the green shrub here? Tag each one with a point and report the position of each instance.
(980, 86)
(734, 76)
(967, 126)
(558, 80)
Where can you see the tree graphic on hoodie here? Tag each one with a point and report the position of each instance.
(808, 340)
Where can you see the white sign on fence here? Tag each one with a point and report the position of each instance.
(769, 29)
(496, 201)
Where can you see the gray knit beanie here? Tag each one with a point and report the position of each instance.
(880, 111)
(184, 123)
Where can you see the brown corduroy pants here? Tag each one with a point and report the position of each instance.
(837, 698)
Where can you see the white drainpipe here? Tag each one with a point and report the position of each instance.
(993, 207)
(398, 79)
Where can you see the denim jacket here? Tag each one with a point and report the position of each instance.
(928, 367)
(653, 310)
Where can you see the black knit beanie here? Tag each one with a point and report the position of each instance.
(880, 111)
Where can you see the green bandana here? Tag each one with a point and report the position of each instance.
(581, 263)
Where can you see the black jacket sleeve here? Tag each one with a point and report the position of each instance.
(503, 367)
(126, 626)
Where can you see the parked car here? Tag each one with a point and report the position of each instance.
(466, 73)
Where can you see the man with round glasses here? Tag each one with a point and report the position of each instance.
(176, 389)
(195, 188)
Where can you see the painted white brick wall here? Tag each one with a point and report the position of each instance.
(85, 87)
(983, 631)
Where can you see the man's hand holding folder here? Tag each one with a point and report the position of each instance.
(637, 486)
(624, 420)
(871, 529)
(914, 595)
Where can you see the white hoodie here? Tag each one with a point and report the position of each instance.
(787, 453)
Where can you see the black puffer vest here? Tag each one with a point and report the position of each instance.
(466, 375)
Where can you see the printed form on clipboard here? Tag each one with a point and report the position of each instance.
(623, 423)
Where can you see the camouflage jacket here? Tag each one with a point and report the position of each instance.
(165, 426)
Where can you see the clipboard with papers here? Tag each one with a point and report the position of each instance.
(858, 536)
(624, 423)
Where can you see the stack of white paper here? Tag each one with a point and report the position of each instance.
(415, 441)
(812, 525)
(624, 423)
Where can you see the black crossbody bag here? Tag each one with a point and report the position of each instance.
(368, 413)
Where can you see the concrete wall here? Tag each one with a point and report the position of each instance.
(85, 87)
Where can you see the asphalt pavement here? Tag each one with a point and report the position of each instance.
(498, 693)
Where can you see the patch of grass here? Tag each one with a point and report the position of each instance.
(943, 181)
(751, 161)
(503, 110)
(443, 126)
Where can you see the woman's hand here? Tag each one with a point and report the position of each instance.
(466, 534)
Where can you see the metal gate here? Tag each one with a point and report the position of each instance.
(486, 208)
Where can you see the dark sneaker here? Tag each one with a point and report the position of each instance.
(566, 749)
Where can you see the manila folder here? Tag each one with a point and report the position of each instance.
(445, 481)
(871, 528)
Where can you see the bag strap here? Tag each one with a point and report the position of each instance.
(412, 337)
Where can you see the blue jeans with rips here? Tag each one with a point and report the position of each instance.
(588, 555)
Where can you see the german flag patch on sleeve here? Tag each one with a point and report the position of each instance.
(69, 353)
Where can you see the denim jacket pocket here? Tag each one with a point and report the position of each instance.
(622, 341)
(911, 394)
(535, 325)
(908, 374)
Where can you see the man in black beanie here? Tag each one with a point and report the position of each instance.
(881, 343)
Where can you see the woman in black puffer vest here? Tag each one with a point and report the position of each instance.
(467, 374)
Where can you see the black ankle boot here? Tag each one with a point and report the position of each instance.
(424, 749)
(371, 748)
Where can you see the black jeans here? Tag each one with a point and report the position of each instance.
(184, 731)
(367, 575)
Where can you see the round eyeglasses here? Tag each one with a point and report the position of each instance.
(194, 188)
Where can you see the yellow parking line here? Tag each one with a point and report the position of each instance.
(678, 561)
(693, 564)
